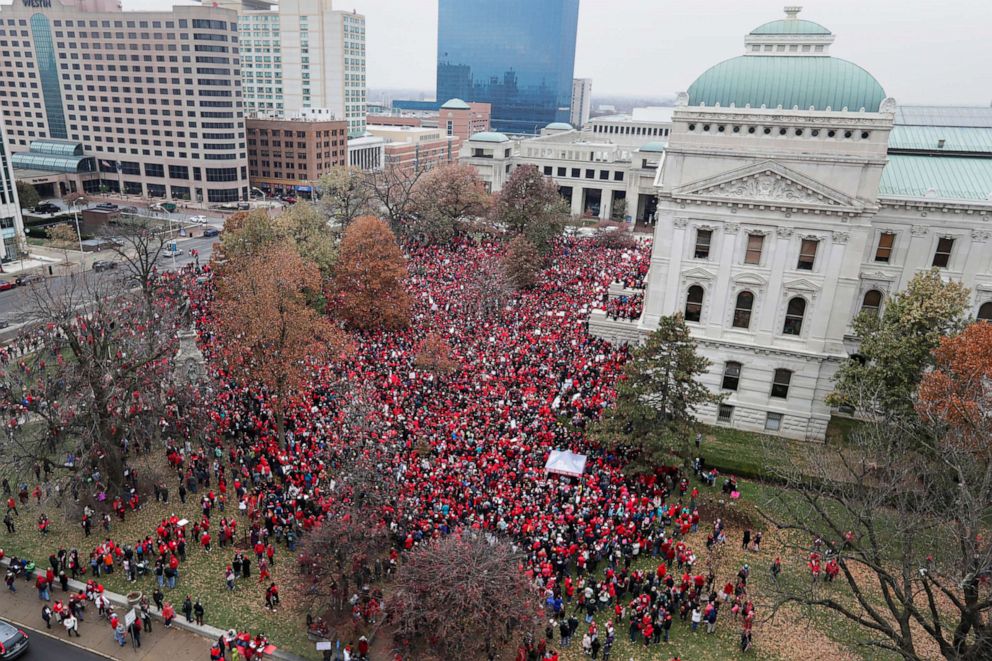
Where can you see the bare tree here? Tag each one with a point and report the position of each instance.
(463, 596)
(139, 242)
(96, 386)
(392, 189)
(903, 515)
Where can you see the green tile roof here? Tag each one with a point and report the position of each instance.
(455, 104)
(488, 136)
(956, 138)
(788, 81)
(790, 26)
(949, 177)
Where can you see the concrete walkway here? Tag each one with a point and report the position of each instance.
(181, 642)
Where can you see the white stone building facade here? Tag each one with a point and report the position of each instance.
(303, 55)
(578, 113)
(788, 207)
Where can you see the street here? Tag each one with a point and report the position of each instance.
(14, 302)
(43, 648)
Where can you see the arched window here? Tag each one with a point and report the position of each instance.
(985, 312)
(794, 314)
(731, 375)
(742, 310)
(781, 383)
(872, 302)
(694, 303)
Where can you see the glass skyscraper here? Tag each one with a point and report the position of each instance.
(517, 55)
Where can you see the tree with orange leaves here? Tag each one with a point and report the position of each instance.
(267, 325)
(956, 394)
(369, 276)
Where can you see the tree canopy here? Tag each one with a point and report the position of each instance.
(529, 204)
(369, 277)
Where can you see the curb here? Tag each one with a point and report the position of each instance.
(209, 633)
(66, 641)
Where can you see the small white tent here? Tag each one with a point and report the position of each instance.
(565, 463)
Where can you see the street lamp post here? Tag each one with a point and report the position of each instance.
(79, 235)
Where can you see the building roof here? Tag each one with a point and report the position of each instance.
(559, 126)
(653, 147)
(455, 104)
(489, 136)
(941, 139)
(56, 147)
(970, 116)
(788, 81)
(52, 163)
(790, 26)
(937, 177)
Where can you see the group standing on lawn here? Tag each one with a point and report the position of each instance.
(605, 546)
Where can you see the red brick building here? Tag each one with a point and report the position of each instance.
(290, 155)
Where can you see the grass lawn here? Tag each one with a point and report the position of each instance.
(201, 576)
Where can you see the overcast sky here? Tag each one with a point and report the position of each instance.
(922, 51)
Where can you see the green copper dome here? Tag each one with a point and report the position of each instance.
(559, 126)
(488, 136)
(455, 104)
(790, 26)
(788, 81)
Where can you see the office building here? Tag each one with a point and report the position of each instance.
(11, 223)
(604, 171)
(581, 102)
(792, 196)
(455, 116)
(367, 153)
(155, 97)
(303, 55)
(287, 156)
(414, 148)
(517, 55)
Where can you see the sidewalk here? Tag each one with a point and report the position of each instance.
(183, 641)
(24, 608)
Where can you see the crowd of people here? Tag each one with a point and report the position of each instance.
(463, 451)
(625, 306)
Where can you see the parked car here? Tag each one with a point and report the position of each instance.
(7, 284)
(168, 207)
(22, 280)
(244, 206)
(4, 323)
(46, 207)
(289, 199)
(104, 265)
(110, 206)
(199, 220)
(13, 641)
(211, 231)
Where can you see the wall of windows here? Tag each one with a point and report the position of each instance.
(48, 71)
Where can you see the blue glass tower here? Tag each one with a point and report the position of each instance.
(518, 55)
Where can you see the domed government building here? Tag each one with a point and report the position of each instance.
(794, 194)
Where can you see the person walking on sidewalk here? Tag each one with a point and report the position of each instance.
(135, 631)
(71, 625)
(146, 616)
(46, 615)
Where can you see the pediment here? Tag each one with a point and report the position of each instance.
(771, 184)
(879, 276)
(750, 279)
(698, 273)
(802, 284)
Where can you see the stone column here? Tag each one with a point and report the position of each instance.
(605, 203)
(577, 192)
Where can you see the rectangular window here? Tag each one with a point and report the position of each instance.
(154, 170)
(590, 174)
(883, 253)
(576, 172)
(547, 170)
(725, 413)
(773, 422)
(780, 383)
(807, 254)
(731, 376)
(753, 253)
(561, 172)
(942, 256)
(703, 238)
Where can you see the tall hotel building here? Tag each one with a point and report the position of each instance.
(302, 58)
(155, 97)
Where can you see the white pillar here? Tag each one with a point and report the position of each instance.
(605, 203)
(577, 200)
